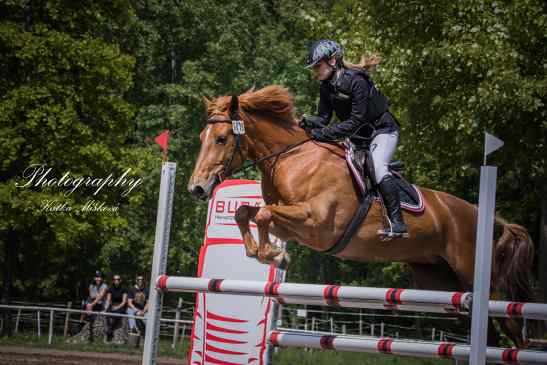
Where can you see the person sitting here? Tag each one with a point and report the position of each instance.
(347, 90)
(137, 304)
(96, 297)
(116, 301)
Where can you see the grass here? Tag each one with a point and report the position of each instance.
(59, 343)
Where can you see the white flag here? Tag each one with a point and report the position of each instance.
(491, 143)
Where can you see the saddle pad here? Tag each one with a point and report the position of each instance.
(411, 197)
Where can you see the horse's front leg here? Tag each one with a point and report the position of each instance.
(243, 216)
(283, 218)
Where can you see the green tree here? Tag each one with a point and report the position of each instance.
(62, 104)
(187, 50)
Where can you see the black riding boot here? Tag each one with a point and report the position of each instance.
(392, 201)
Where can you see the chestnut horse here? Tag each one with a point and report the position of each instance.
(310, 197)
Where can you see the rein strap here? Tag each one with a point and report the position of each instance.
(238, 128)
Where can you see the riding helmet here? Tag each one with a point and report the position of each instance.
(322, 50)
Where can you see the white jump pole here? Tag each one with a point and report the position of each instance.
(326, 295)
(353, 297)
(483, 255)
(498, 308)
(445, 350)
(159, 263)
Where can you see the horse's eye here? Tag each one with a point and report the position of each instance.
(221, 140)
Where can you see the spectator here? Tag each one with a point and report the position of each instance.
(137, 304)
(116, 301)
(96, 297)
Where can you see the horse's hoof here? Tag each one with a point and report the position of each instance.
(263, 260)
(282, 261)
(252, 254)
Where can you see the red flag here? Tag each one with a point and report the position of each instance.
(163, 140)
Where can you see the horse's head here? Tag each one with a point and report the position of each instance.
(222, 146)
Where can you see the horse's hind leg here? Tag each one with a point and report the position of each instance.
(243, 216)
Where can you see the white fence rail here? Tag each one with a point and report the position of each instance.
(52, 310)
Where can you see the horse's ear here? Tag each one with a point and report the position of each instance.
(234, 107)
(206, 102)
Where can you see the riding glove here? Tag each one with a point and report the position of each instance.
(310, 122)
(322, 134)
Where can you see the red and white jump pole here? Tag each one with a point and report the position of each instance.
(352, 297)
(444, 350)
(325, 295)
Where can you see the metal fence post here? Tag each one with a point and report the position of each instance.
(177, 318)
(183, 334)
(50, 338)
(67, 320)
(39, 324)
(17, 320)
(159, 262)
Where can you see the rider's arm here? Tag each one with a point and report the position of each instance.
(359, 92)
(324, 109)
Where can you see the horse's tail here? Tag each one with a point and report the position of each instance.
(513, 260)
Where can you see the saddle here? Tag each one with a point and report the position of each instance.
(362, 168)
(361, 165)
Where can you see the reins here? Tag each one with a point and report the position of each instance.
(275, 154)
(238, 130)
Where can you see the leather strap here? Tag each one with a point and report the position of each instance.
(353, 226)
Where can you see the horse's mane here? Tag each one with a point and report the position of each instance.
(274, 102)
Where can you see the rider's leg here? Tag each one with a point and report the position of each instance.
(383, 147)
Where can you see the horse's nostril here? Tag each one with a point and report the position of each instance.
(198, 191)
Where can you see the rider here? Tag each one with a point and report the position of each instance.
(348, 90)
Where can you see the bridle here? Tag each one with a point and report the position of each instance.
(238, 129)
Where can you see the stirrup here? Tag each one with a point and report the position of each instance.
(387, 235)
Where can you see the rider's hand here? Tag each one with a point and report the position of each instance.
(319, 135)
(311, 122)
(304, 124)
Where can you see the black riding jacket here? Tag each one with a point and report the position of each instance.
(356, 102)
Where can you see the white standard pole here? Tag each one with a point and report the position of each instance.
(483, 265)
(159, 262)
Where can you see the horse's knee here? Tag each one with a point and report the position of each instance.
(264, 216)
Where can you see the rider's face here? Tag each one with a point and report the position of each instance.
(322, 70)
